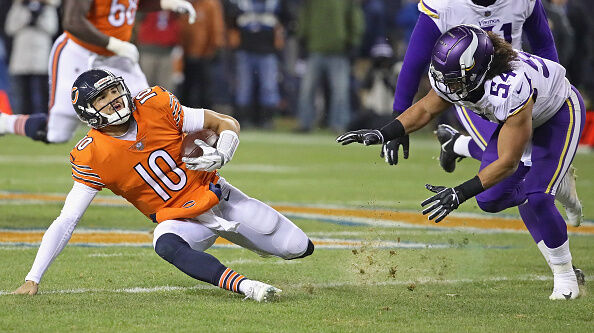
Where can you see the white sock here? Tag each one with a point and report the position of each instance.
(545, 252)
(461, 145)
(245, 285)
(7, 123)
(560, 258)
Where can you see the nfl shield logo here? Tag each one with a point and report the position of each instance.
(139, 145)
(488, 13)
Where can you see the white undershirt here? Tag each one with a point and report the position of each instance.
(80, 197)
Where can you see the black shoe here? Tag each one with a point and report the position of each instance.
(580, 276)
(447, 135)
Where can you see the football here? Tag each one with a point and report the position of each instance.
(190, 149)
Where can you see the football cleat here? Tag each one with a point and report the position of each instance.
(260, 291)
(568, 197)
(447, 135)
(565, 286)
(580, 276)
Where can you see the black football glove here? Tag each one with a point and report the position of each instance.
(364, 136)
(390, 149)
(444, 202)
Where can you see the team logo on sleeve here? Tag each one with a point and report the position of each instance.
(74, 95)
(189, 204)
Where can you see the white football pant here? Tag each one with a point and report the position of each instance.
(261, 228)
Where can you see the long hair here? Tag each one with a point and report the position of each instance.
(503, 56)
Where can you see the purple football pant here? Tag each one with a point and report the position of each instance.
(554, 144)
(478, 128)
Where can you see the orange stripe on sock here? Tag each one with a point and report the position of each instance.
(236, 283)
(225, 273)
(228, 285)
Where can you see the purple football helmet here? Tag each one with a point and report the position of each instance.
(460, 59)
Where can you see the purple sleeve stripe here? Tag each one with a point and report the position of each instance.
(416, 59)
(428, 10)
(539, 35)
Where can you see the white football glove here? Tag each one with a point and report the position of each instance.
(123, 49)
(214, 158)
(180, 6)
(210, 160)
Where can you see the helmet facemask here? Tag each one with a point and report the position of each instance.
(456, 84)
(120, 105)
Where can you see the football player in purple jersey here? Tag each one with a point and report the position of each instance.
(509, 19)
(538, 114)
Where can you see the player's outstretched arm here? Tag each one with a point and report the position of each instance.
(75, 22)
(414, 118)
(181, 7)
(57, 235)
(511, 142)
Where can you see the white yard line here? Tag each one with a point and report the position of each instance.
(422, 281)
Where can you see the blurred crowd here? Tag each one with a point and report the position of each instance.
(318, 63)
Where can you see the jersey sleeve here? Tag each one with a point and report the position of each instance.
(161, 100)
(520, 93)
(436, 10)
(193, 119)
(81, 163)
(416, 60)
(58, 234)
(538, 32)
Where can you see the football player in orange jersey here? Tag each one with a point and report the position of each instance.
(96, 34)
(134, 149)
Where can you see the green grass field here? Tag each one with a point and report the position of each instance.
(389, 277)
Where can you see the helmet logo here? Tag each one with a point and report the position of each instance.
(74, 95)
(102, 82)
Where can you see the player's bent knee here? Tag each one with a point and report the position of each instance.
(540, 201)
(168, 244)
(309, 251)
(56, 137)
(295, 244)
(491, 206)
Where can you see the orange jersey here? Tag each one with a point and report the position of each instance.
(147, 172)
(114, 18)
